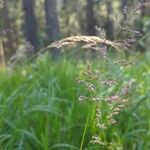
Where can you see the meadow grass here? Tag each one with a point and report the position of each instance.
(40, 110)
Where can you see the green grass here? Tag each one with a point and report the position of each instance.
(39, 108)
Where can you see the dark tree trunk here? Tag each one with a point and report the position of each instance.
(109, 26)
(66, 11)
(124, 8)
(52, 20)
(11, 43)
(91, 21)
(31, 27)
(81, 17)
(2, 57)
(144, 13)
(52, 24)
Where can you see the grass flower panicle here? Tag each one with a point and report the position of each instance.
(107, 107)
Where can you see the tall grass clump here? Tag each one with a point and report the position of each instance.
(39, 106)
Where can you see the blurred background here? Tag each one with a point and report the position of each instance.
(30, 25)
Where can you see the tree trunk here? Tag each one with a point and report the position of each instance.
(8, 31)
(144, 13)
(31, 27)
(91, 21)
(2, 57)
(109, 27)
(52, 24)
(66, 12)
(124, 9)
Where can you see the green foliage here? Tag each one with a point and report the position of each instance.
(39, 107)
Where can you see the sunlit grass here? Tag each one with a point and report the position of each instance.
(39, 107)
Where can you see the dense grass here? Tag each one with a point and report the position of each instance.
(39, 107)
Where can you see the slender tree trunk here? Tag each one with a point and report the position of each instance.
(66, 11)
(2, 57)
(109, 27)
(52, 20)
(124, 9)
(31, 27)
(144, 13)
(91, 21)
(81, 17)
(9, 31)
(52, 24)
